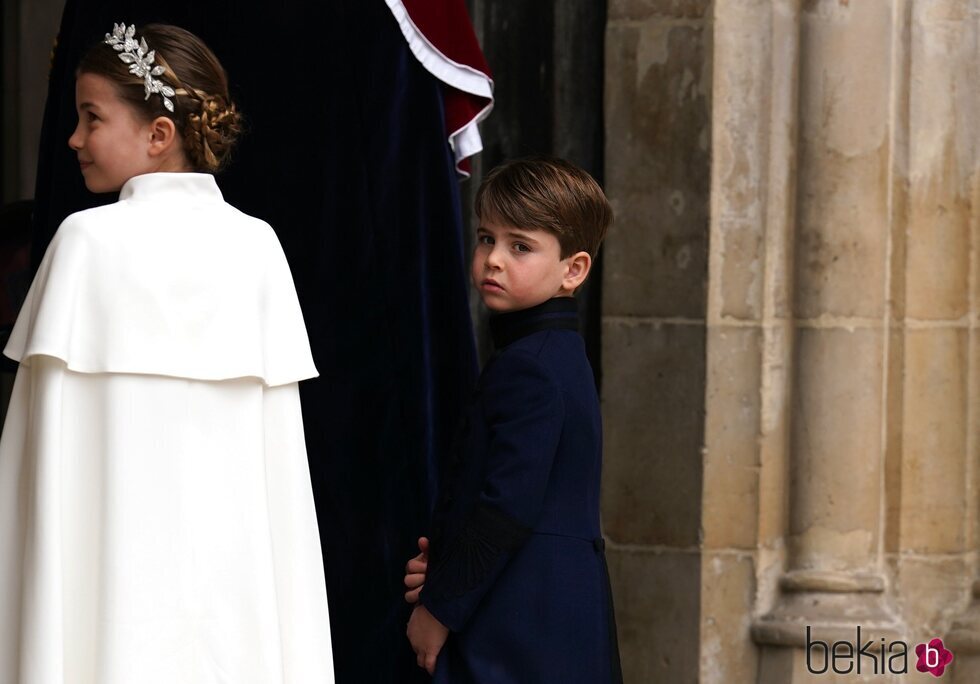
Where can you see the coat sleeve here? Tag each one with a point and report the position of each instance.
(524, 412)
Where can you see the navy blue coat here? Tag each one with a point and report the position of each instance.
(517, 569)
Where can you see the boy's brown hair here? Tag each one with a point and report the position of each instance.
(549, 194)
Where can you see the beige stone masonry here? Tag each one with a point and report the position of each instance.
(658, 130)
(790, 353)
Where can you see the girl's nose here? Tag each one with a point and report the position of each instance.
(75, 141)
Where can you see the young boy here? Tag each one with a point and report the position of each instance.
(517, 572)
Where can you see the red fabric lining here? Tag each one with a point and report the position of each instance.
(446, 25)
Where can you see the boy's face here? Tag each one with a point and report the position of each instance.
(516, 268)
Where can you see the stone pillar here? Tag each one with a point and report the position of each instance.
(940, 522)
(834, 579)
(749, 325)
(658, 81)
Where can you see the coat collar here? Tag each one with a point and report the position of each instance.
(171, 186)
(559, 313)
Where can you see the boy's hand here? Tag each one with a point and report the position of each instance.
(415, 571)
(427, 636)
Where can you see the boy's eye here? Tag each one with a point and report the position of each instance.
(92, 117)
(521, 247)
(484, 239)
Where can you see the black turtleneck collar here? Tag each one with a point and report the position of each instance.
(557, 313)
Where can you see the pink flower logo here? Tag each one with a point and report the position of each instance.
(933, 657)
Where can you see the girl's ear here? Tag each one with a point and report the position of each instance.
(579, 265)
(163, 134)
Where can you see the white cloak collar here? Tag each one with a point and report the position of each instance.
(170, 280)
(178, 187)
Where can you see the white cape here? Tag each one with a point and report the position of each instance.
(156, 515)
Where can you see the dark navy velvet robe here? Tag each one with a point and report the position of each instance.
(517, 568)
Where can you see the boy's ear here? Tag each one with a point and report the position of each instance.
(579, 265)
(163, 133)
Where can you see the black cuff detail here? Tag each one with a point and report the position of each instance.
(464, 562)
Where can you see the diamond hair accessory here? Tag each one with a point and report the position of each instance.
(140, 60)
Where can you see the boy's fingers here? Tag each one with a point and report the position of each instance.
(414, 581)
(417, 564)
(430, 663)
(412, 595)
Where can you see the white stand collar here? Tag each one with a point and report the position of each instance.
(166, 186)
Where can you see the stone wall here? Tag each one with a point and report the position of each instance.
(790, 314)
(658, 130)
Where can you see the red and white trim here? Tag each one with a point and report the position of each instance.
(441, 37)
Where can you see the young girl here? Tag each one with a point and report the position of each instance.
(156, 515)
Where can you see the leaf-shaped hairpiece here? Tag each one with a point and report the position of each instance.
(140, 58)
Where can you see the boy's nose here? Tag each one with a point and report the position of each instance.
(493, 259)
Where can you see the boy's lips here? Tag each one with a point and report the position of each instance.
(491, 285)
(84, 164)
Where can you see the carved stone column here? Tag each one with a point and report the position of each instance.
(750, 325)
(834, 579)
(943, 287)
